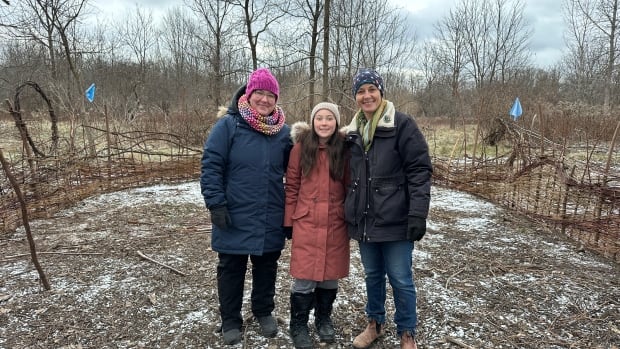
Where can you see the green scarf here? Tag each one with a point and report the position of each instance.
(367, 129)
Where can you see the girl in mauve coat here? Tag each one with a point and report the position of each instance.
(315, 193)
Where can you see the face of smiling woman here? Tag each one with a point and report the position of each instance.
(368, 99)
(264, 102)
(324, 124)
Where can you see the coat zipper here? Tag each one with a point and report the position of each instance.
(368, 192)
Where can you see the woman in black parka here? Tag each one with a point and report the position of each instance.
(386, 204)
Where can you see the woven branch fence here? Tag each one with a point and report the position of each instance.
(578, 200)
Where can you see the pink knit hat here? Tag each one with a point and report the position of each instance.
(262, 79)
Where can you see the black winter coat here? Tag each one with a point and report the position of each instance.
(389, 182)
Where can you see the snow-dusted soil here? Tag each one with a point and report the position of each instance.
(485, 279)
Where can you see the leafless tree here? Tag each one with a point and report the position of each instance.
(450, 48)
(308, 14)
(593, 30)
(258, 16)
(326, 43)
(495, 36)
(307, 42)
(314, 13)
(449, 51)
(513, 38)
(179, 38)
(41, 28)
(6, 24)
(52, 25)
(216, 17)
(375, 33)
(65, 17)
(583, 61)
(139, 35)
(433, 88)
(369, 33)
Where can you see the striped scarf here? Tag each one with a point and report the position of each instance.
(269, 125)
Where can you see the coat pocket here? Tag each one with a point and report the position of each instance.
(300, 212)
(390, 202)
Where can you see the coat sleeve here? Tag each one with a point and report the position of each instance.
(293, 183)
(417, 166)
(213, 164)
(287, 152)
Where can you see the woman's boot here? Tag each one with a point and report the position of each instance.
(301, 304)
(322, 314)
(407, 341)
(373, 331)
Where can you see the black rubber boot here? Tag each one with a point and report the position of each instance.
(300, 311)
(322, 314)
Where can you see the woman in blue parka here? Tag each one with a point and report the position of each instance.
(242, 169)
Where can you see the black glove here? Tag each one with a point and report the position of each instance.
(416, 228)
(288, 232)
(220, 217)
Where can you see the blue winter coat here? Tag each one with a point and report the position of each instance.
(243, 170)
(389, 182)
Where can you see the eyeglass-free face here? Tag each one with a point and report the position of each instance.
(368, 99)
(324, 124)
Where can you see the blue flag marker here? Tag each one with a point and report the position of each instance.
(516, 110)
(90, 92)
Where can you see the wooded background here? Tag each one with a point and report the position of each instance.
(160, 80)
(191, 59)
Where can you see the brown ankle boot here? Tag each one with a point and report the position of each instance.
(370, 334)
(407, 341)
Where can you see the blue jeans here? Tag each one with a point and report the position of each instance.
(393, 258)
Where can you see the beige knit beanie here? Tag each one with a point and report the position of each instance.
(325, 105)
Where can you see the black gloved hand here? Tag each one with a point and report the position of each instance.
(416, 228)
(220, 217)
(288, 232)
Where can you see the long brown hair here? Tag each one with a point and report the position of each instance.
(335, 152)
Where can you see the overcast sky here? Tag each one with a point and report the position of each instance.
(543, 16)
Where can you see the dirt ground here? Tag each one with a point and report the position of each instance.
(134, 269)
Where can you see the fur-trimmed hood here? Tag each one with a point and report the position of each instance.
(221, 111)
(299, 130)
(232, 106)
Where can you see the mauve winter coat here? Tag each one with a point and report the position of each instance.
(315, 210)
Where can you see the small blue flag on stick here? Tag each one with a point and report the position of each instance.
(90, 92)
(516, 110)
